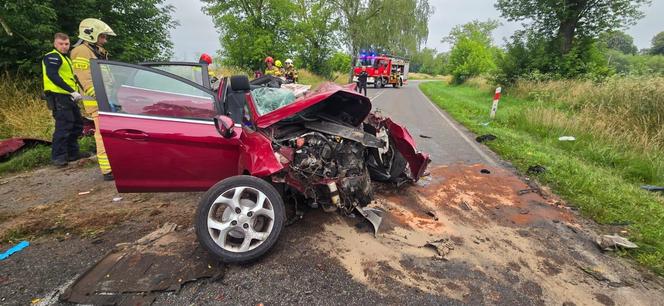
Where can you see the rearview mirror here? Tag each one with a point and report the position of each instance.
(224, 125)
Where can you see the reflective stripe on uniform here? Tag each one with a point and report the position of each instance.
(89, 103)
(81, 63)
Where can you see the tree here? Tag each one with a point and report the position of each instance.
(565, 20)
(315, 34)
(396, 25)
(657, 44)
(252, 29)
(340, 62)
(472, 52)
(23, 41)
(28, 27)
(618, 40)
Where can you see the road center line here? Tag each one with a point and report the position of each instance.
(477, 149)
(377, 95)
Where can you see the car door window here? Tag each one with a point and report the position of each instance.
(144, 91)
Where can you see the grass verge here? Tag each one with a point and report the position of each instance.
(595, 174)
(38, 156)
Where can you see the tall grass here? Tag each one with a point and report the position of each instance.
(22, 112)
(628, 111)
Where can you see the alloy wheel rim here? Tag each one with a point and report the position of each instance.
(240, 219)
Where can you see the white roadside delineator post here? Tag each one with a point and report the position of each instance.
(496, 98)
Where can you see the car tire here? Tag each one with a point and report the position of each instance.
(377, 82)
(223, 213)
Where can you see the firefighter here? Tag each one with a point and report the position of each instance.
(93, 35)
(362, 81)
(270, 68)
(291, 72)
(280, 68)
(62, 96)
(207, 59)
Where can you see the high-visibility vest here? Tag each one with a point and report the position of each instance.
(66, 73)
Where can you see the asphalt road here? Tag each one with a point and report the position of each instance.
(449, 142)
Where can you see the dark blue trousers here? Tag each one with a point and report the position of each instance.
(68, 127)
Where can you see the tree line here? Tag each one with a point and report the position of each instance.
(317, 34)
(560, 39)
(27, 28)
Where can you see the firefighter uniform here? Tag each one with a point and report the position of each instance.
(275, 71)
(59, 84)
(291, 74)
(81, 56)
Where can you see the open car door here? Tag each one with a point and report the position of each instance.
(158, 129)
(195, 72)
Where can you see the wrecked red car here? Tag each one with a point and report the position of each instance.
(250, 146)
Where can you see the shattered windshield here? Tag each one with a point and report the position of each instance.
(268, 99)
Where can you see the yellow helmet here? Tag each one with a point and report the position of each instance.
(90, 28)
(278, 63)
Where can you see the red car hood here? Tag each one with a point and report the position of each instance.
(331, 99)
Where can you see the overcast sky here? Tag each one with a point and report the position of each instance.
(196, 33)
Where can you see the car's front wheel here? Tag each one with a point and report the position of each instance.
(239, 219)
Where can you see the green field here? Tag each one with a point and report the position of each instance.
(597, 174)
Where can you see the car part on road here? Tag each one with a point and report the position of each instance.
(425, 136)
(374, 215)
(240, 218)
(17, 248)
(485, 171)
(133, 273)
(614, 242)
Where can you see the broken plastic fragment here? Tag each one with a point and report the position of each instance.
(566, 138)
(612, 242)
(20, 246)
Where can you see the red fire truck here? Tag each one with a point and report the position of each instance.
(383, 70)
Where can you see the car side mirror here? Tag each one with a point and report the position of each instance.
(224, 125)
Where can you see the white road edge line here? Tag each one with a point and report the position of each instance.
(377, 95)
(477, 149)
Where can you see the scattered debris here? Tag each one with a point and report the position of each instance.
(133, 273)
(442, 247)
(485, 171)
(524, 211)
(652, 188)
(117, 199)
(566, 138)
(463, 205)
(485, 123)
(425, 136)
(612, 242)
(595, 274)
(83, 192)
(529, 190)
(17, 248)
(432, 215)
(537, 169)
(485, 138)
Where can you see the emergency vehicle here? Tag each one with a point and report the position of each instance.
(383, 70)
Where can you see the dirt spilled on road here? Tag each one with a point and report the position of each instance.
(483, 238)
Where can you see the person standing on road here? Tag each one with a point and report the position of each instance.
(362, 81)
(93, 35)
(62, 96)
